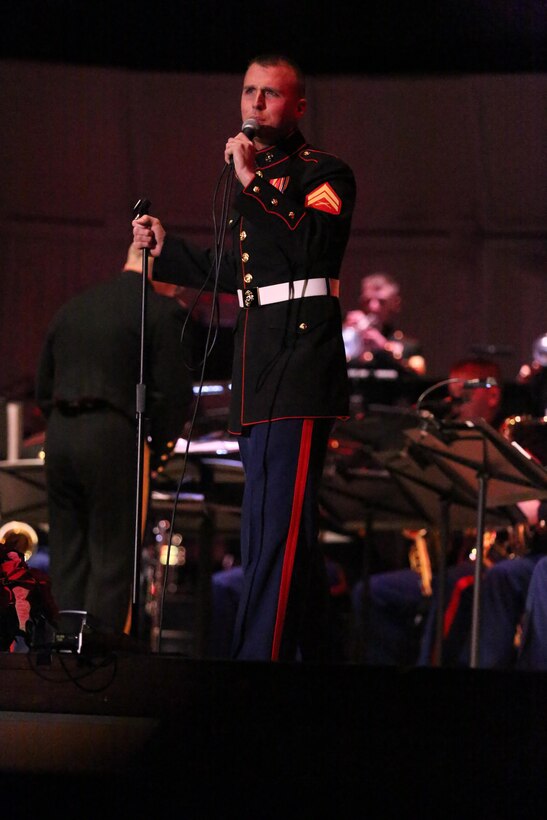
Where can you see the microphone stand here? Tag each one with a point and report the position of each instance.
(141, 207)
(482, 479)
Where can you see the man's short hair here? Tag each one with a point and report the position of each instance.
(475, 368)
(273, 59)
(380, 279)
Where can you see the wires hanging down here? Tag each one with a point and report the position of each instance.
(221, 203)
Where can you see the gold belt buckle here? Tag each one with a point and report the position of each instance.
(250, 298)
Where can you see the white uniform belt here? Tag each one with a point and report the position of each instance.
(267, 295)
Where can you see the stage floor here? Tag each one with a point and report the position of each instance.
(167, 736)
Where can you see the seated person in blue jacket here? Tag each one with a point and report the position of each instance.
(511, 591)
(532, 650)
(505, 584)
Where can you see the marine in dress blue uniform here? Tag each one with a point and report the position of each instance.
(290, 226)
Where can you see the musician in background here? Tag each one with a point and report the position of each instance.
(513, 600)
(533, 376)
(508, 600)
(511, 627)
(509, 565)
(86, 387)
(532, 648)
(371, 336)
(393, 610)
(514, 596)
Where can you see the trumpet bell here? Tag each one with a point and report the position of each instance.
(19, 536)
(530, 433)
(539, 350)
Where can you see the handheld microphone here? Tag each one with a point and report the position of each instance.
(250, 127)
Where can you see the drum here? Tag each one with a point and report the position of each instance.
(530, 433)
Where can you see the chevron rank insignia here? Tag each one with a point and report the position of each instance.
(324, 198)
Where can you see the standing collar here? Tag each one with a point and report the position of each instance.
(274, 154)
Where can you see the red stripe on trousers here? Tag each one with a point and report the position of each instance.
(452, 608)
(292, 537)
(454, 603)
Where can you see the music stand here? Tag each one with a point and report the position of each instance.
(450, 506)
(23, 491)
(380, 428)
(358, 501)
(445, 500)
(498, 473)
(361, 499)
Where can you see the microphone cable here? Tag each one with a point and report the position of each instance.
(224, 187)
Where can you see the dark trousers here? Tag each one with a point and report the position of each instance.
(283, 610)
(91, 466)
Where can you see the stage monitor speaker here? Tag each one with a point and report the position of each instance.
(80, 633)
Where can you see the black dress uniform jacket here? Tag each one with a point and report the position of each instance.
(291, 223)
(91, 354)
(87, 386)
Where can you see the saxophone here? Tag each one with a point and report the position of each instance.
(420, 560)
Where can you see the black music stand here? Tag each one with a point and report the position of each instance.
(380, 428)
(357, 490)
(361, 501)
(445, 501)
(496, 472)
(23, 491)
(449, 505)
(436, 498)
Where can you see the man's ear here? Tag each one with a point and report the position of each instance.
(395, 303)
(494, 396)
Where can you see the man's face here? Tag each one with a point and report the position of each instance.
(476, 402)
(270, 95)
(381, 301)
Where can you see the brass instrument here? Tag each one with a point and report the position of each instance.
(529, 433)
(19, 536)
(507, 542)
(529, 372)
(419, 559)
